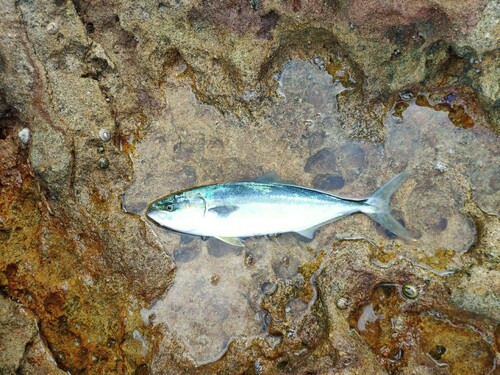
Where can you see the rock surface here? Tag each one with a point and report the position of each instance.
(105, 107)
(21, 349)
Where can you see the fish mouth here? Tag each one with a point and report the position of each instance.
(152, 214)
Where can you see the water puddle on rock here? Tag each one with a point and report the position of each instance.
(209, 304)
(405, 333)
(218, 290)
(445, 137)
(450, 157)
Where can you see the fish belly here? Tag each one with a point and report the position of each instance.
(261, 218)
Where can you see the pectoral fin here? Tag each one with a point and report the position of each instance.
(223, 211)
(232, 241)
(308, 233)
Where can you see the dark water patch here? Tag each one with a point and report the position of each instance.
(187, 238)
(4, 234)
(185, 255)
(219, 249)
(442, 224)
(328, 182)
(134, 207)
(322, 161)
(267, 25)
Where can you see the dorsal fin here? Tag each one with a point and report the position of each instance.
(269, 178)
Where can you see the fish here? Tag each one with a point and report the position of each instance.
(238, 210)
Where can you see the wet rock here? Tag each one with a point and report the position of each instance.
(438, 338)
(351, 354)
(21, 348)
(460, 348)
(135, 207)
(187, 238)
(484, 178)
(489, 74)
(190, 174)
(195, 93)
(38, 359)
(312, 88)
(479, 38)
(286, 268)
(476, 292)
(268, 23)
(226, 312)
(17, 329)
(50, 157)
(296, 306)
(311, 333)
(436, 215)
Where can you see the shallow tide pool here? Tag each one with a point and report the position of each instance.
(218, 290)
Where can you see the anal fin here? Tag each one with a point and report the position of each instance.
(308, 233)
(235, 241)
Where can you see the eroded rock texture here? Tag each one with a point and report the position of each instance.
(106, 106)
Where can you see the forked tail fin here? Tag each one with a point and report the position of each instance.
(379, 207)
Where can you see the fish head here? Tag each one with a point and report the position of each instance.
(183, 212)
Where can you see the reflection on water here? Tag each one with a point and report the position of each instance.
(218, 290)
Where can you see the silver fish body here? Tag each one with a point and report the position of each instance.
(246, 209)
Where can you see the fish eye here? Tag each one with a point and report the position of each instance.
(169, 207)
